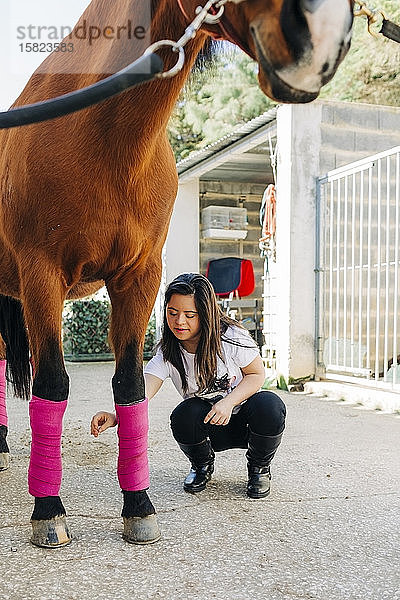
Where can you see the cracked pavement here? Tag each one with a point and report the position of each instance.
(330, 529)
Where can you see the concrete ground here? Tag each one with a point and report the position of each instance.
(330, 529)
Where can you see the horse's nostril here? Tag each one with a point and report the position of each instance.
(325, 67)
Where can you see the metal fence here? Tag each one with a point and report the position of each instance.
(357, 270)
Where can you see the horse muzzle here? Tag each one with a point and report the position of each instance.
(276, 88)
(315, 36)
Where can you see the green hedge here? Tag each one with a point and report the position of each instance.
(85, 329)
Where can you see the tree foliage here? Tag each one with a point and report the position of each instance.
(224, 93)
(217, 98)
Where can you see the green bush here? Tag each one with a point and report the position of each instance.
(150, 339)
(85, 329)
(86, 325)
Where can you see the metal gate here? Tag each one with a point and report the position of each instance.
(357, 271)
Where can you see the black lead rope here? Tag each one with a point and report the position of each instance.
(144, 69)
(390, 30)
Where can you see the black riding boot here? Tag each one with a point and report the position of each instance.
(201, 457)
(4, 449)
(261, 451)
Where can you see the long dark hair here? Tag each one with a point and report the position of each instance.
(213, 324)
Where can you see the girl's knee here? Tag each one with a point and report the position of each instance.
(267, 413)
(190, 411)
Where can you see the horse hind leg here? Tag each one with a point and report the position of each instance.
(131, 308)
(4, 449)
(14, 364)
(43, 296)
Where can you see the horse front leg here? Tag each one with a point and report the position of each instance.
(43, 298)
(132, 303)
(4, 449)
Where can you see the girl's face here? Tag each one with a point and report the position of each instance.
(183, 319)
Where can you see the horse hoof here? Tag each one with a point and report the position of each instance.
(4, 461)
(141, 530)
(52, 533)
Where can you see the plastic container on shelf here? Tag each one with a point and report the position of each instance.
(237, 218)
(215, 217)
(224, 217)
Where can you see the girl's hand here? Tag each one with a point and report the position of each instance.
(220, 413)
(102, 421)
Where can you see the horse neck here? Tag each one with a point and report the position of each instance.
(143, 113)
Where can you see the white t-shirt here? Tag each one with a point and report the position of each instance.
(237, 355)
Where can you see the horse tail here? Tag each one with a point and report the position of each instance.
(13, 331)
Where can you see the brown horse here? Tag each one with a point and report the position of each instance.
(87, 199)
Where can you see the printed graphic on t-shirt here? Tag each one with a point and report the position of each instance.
(220, 384)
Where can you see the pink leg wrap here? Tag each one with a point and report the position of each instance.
(133, 467)
(45, 468)
(3, 387)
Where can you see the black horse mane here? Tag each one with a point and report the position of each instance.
(207, 55)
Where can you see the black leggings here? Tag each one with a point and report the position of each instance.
(264, 413)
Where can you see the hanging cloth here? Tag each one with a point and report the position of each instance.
(268, 214)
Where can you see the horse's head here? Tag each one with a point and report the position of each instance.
(298, 44)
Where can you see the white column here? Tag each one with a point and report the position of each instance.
(182, 245)
(181, 250)
(299, 142)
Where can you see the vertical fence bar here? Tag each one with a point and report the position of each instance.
(378, 269)
(337, 332)
(353, 242)
(396, 267)
(360, 274)
(369, 238)
(346, 194)
(319, 274)
(387, 278)
(330, 329)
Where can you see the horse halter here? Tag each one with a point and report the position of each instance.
(218, 18)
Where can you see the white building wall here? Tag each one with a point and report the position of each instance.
(299, 142)
(182, 245)
(181, 250)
